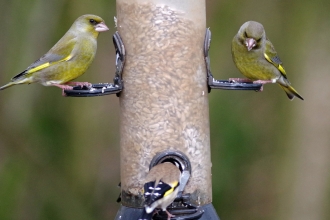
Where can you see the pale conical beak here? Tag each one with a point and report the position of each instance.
(250, 43)
(100, 27)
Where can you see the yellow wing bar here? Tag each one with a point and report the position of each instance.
(45, 65)
(278, 66)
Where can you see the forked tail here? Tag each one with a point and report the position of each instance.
(291, 92)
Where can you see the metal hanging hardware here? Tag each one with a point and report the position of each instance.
(223, 84)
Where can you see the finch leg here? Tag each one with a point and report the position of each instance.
(239, 80)
(261, 88)
(155, 212)
(169, 215)
(87, 84)
(63, 87)
(262, 82)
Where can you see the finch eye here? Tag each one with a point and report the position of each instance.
(92, 21)
(245, 34)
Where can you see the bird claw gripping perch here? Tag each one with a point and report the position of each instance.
(223, 84)
(181, 208)
(101, 89)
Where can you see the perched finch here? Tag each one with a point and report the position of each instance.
(256, 58)
(69, 58)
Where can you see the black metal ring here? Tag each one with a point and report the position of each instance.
(172, 155)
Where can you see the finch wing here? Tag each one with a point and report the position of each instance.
(153, 193)
(61, 51)
(272, 57)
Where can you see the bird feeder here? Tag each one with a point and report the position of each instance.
(163, 79)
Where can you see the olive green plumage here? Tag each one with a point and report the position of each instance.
(69, 58)
(256, 58)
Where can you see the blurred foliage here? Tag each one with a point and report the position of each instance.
(269, 154)
(59, 157)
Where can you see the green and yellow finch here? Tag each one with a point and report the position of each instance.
(69, 58)
(256, 58)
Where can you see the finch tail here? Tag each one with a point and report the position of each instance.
(291, 92)
(7, 85)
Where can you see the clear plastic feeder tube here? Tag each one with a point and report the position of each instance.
(164, 103)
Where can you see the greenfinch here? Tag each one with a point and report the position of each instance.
(69, 58)
(256, 58)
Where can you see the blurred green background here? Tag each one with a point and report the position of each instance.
(59, 157)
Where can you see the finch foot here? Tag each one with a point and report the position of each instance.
(169, 215)
(261, 88)
(64, 87)
(264, 81)
(82, 84)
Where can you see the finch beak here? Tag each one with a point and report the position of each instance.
(100, 27)
(250, 43)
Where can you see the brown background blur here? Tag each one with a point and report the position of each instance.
(59, 157)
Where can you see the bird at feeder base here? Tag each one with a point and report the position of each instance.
(160, 188)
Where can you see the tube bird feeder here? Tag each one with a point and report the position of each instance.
(164, 101)
(162, 79)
